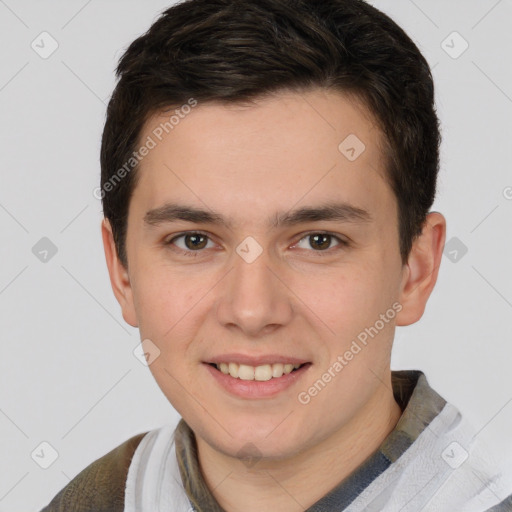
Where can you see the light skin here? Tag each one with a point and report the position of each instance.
(249, 164)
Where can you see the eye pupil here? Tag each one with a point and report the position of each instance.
(320, 241)
(195, 241)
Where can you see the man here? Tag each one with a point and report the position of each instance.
(267, 173)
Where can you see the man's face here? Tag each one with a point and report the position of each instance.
(252, 290)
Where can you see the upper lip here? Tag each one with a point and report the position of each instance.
(256, 361)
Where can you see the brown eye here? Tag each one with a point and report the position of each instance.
(195, 241)
(189, 243)
(320, 241)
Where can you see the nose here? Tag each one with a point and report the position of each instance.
(254, 298)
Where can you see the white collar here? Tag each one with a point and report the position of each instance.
(154, 481)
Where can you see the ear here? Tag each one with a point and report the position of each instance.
(119, 277)
(421, 270)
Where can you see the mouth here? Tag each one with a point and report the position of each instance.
(256, 376)
(261, 373)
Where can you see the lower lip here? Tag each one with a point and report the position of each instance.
(256, 388)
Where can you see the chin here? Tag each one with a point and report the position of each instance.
(254, 442)
(250, 450)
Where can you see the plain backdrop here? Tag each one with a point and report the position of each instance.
(69, 378)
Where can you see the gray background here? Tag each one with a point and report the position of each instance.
(68, 374)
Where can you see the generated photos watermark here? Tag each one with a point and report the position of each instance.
(357, 345)
(150, 143)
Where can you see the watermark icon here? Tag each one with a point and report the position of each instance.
(44, 455)
(507, 193)
(455, 249)
(351, 147)
(44, 45)
(304, 397)
(146, 352)
(44, 250)
(249, 249)
(454, 455)
(249, 455)
(454, 45)
(150, 143)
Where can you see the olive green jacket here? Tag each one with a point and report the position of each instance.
(100, 486)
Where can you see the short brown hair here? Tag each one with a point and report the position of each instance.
(238, 50)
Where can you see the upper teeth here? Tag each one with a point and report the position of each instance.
(263, 372)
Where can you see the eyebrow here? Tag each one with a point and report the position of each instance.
(341, 212)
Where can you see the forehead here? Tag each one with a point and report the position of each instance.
(273, 150)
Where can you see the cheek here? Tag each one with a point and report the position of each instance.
(165, 304)
(344, 304)
(169, 312)
(344, 298)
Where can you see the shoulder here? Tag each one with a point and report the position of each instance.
(504, 506)
(100, 486)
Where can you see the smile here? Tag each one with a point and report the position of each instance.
(256, 376)
(260, 373)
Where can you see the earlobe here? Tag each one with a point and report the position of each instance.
(422, 268)
(119, 277)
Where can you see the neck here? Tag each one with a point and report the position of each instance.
(296, 483)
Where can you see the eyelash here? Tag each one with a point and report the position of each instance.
(194, 254)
